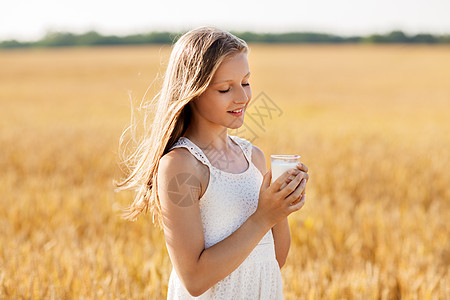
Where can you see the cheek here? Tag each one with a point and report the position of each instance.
(213, 103)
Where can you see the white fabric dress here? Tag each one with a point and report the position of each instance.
(228, 201)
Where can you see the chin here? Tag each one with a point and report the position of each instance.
(236, 124)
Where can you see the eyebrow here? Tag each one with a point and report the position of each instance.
(229, 79)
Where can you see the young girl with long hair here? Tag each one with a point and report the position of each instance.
(225, 225)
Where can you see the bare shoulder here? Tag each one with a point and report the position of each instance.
(178, 161)
(180, 172)
(259, 159)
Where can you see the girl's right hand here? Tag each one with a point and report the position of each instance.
(274, 203)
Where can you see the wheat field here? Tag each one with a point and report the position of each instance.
(371, 123)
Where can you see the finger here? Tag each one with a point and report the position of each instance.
(299, 191)
(299, 199)
(304, 175)
(282, 179)
(292, 186)
(302, 167)
(297, 206)
(267, 178)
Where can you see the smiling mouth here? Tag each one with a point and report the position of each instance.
(236, 111)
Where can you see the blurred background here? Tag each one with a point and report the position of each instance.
(361, 91)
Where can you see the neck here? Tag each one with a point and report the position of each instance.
(209, 139)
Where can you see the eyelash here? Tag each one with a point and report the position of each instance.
(223, 92)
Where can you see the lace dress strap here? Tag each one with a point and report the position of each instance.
(193, 148)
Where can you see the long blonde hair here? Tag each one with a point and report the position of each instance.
(194, 59)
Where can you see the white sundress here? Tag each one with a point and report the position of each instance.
(228, 201)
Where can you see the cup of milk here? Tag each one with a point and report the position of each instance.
(282, 163)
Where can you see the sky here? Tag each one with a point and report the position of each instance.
(28, 20)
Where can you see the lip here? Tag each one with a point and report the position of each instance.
(237, 109)
(239, 113)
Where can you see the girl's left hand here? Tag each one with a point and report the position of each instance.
(303, 169)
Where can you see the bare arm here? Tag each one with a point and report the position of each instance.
(282, 240)
(197, 267)
(281, 232)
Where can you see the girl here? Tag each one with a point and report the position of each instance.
(225, 225)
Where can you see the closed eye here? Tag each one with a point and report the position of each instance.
(226, 91)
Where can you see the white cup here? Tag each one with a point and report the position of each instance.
(282, 163)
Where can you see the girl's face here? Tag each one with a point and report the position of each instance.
(228, 91)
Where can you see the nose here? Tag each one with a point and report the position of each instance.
(242, 96)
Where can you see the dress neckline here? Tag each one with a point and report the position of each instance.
(220, 170)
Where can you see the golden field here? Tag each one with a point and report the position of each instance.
(371, 123)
